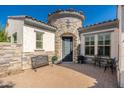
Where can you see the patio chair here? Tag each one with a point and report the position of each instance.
(95, 60)
(103, 62)
(98, 61)
(114, 64)
(111, 63)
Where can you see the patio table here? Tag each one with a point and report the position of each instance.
(109, 63)
(101, 61)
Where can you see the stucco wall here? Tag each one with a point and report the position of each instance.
(14, 25)
(115, 44)
(121, 46)
(26, 35)
(29, 44)
(29, 39)
(82, 44)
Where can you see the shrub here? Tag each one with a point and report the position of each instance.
(54, 58)
(3, 34)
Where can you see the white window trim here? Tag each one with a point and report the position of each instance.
(39, 31)
(100, 31)
(40, 49)
(89, 44)
(13, 37)
(103, 34)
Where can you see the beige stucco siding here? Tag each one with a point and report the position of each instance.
(121, 46)
(82, 44)
(49, 41)
(29, 39)
(114, 44)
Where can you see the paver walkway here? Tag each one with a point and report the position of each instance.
(62, 76)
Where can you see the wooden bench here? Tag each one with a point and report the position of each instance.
(39, 61)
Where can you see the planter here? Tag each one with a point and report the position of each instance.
(54, 60)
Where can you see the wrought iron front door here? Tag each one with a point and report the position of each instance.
(67, 49)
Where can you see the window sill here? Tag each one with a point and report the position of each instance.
(94, 55)
(105, 56)
(89, 56)
(39, 49)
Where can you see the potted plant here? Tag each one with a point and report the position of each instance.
(54, 59)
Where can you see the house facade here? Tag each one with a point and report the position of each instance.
(35, 37)
(60, 36)
(65, 37)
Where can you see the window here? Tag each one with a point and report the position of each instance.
(39, 40)
(9, 39)
(89, 45)
(15, 37)
(104, 44)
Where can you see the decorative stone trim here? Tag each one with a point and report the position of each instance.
(65, 13)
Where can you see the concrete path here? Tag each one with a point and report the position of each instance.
(62, 76)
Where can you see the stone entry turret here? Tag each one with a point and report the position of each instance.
(67, 23)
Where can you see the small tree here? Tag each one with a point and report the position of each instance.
(3, 34)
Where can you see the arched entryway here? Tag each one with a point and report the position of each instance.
(67, 48)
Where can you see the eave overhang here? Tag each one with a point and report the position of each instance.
(33, 22)
(100, 26)
(38, 24)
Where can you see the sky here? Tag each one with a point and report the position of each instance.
(93, 13)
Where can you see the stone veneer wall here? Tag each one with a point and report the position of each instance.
(26, 58)
(10, 58)
(63, 30)
(13, 60)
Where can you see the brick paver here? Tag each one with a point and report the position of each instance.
(103, 79)
(63, 76)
